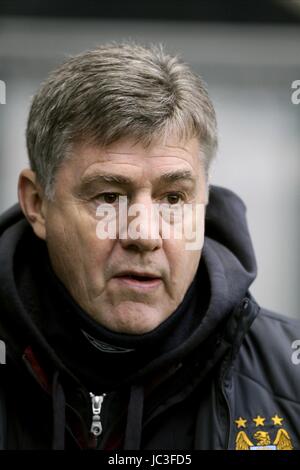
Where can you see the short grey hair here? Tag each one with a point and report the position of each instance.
(116, 91)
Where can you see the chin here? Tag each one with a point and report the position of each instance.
(134, 322)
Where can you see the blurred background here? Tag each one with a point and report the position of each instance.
(248, 52)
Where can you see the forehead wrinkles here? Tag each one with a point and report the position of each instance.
(136, 161)
(168, 152)
(115, 175)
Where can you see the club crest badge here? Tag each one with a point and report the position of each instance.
(261, 434)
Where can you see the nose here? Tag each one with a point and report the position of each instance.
(140, 229)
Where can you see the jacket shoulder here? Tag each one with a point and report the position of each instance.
(270, 355)
(278, 317)
(264, 380)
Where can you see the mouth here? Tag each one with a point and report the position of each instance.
(144, 281)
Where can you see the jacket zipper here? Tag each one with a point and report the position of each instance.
(229, 417)
(96, 426)
(243, 306)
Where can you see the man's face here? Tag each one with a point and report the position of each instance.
(98, 273)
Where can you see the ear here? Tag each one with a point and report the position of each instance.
(32, 202)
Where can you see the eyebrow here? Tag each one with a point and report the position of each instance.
(170, 177)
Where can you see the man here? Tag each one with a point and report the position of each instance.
(117, 335)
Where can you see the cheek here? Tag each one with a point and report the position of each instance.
(176, 255)
(92, 257)
(70, 240)
(78, 257)
(62, 242)
(182, 263)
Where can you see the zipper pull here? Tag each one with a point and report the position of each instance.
(96, 427)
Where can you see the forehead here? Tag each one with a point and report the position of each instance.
(133, 160)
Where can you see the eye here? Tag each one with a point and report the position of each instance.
(108, 198)
(174, 198)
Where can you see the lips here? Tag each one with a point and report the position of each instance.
(139, 276)
(138, 280)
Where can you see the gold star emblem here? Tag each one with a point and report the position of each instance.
(277, 420)
(259, 421)
(241, 423)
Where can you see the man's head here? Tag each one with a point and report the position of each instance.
(119, 120)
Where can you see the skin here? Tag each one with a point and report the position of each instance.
(86, 265)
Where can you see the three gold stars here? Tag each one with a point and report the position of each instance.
(259, 421)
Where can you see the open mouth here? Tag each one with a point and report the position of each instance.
(138, 281)
(139, 278)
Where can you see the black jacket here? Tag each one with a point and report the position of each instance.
(234, 383)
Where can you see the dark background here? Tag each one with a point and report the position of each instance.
(242, 11)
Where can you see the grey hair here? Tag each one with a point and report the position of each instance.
(116, 91)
